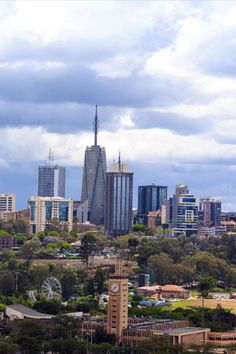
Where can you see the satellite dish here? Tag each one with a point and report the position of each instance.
(51, 288)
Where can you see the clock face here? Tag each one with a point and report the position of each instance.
(115, 287)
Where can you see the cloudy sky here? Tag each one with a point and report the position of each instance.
(162, 72)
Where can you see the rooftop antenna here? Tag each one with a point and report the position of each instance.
(50, 157)
(95, 126)
(119, 163)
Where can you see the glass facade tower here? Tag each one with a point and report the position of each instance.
(51, 179)
(118, 205)
(150, 198)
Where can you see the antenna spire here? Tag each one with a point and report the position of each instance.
(50, 157)
(119, 163)
(95, 126)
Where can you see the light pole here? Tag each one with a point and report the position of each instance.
(17, 278)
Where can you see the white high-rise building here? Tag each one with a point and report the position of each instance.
(46, 211)
(7, 204)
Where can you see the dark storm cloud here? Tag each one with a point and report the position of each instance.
(60, 99)
(173, 122)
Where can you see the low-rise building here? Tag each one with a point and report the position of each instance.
(214, 231)
(167, 291)
(221, 339)
(8, 242)
(148, 290)
(174, 291)
(154, 219)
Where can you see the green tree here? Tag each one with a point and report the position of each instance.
(206, 284)
(139, 228)
(99, 280)
(69, 283)
(7, 347)
(160, 345)
(7, 283)
(30, 335)
(164, 268)
(88, 245)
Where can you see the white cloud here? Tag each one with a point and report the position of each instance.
(149, 145)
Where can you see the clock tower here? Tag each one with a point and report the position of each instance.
(118, 302)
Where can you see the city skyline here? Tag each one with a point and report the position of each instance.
(166, 87)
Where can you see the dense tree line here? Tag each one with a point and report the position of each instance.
(185, 260)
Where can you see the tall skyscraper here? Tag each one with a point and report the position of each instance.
(51, 179)
(209, 212)
(119, 196)
(150, 198)
(118, 302)
(93, 185)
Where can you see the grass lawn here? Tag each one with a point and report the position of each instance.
(212, 303)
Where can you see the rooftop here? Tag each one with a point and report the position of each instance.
(28, 312)
(170, 287)
(185, 330)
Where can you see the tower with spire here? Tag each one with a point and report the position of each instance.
(93, 184)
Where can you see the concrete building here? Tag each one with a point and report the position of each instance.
(119, 196)
(209, 212)
(150, 198)
(93, 184)
(8, 242)
(7, 204)
(167, 291)
(46, 211)
(51, 179)
(154, 219)
(117, 319)
(177, 331)
(214, 231)
(184, 213)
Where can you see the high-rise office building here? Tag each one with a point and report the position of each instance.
(119, 196)
(184, 212)
(51, 179)
(47, 211)
(7, 204)
(209, 212)
(118, 302)
(94, 174)
(150, 198)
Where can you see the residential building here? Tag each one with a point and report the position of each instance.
(184, 212)
(118, 204)
(213, 231)
(93, 184)
(8, 242)
(154, 219)
(51, 179)
(7, 204)
(117, 319)
(150, 198)
(209, 212)
(19, 215)
(46, 212)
